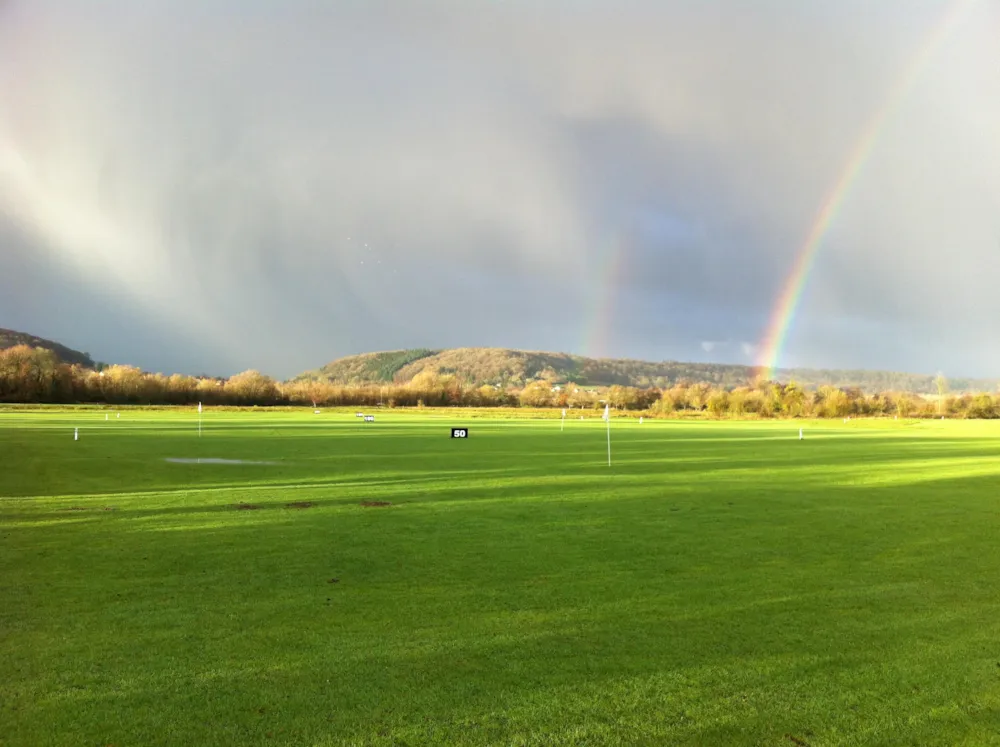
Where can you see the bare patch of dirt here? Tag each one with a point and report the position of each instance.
(73, 508)
(300, 504)
(375, 503)
(246, 507)
(334, 581)
(796, 740)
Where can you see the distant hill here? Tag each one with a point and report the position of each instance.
(502, 367)
(9, 338)
(367, 368)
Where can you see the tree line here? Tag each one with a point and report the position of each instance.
(36, 375)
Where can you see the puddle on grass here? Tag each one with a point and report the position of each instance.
(211, 460)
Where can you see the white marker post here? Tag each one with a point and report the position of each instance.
(76, 434)
(562, 423)
(800, 434)
(199, 420)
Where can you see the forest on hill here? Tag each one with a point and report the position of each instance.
(9, 338)
(33, 375)
(503, 367)
(490, 377)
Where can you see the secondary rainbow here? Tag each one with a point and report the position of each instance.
(608, 279)
(783, 313)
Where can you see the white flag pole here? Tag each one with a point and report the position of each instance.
(199, 420)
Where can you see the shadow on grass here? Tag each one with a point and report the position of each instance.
(547, 497)
(456, 669)
(812, 465)
(356, 480)
(770, 620)
(76, 514)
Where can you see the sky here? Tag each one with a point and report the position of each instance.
(214, 186)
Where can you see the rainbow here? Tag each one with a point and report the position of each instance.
(783, 313)
(608, 279)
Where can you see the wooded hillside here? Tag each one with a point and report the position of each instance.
(503, 367)
(9, 339)
(515, 369)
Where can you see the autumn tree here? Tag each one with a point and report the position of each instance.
(121, 384)
(941, 384)
(251, 387)
(718, 403)
(668, 403)
(537, 394)
(579, 397)
(27, 374)
(646, 397)
(623, 397)
(905, 406)
(486, 395)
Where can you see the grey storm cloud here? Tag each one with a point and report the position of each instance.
(219, 185)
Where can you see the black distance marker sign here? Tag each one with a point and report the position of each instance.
(459, 432)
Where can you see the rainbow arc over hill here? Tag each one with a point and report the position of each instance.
(783, 313)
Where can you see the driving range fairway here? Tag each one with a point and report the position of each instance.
(291, 578)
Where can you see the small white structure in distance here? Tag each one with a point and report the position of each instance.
(76, 434)
(800, 434)
(640, 420)
(315, 412)
(359, 414)
(369, 418)
(106, 416)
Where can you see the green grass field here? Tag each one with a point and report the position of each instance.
(721, 583)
